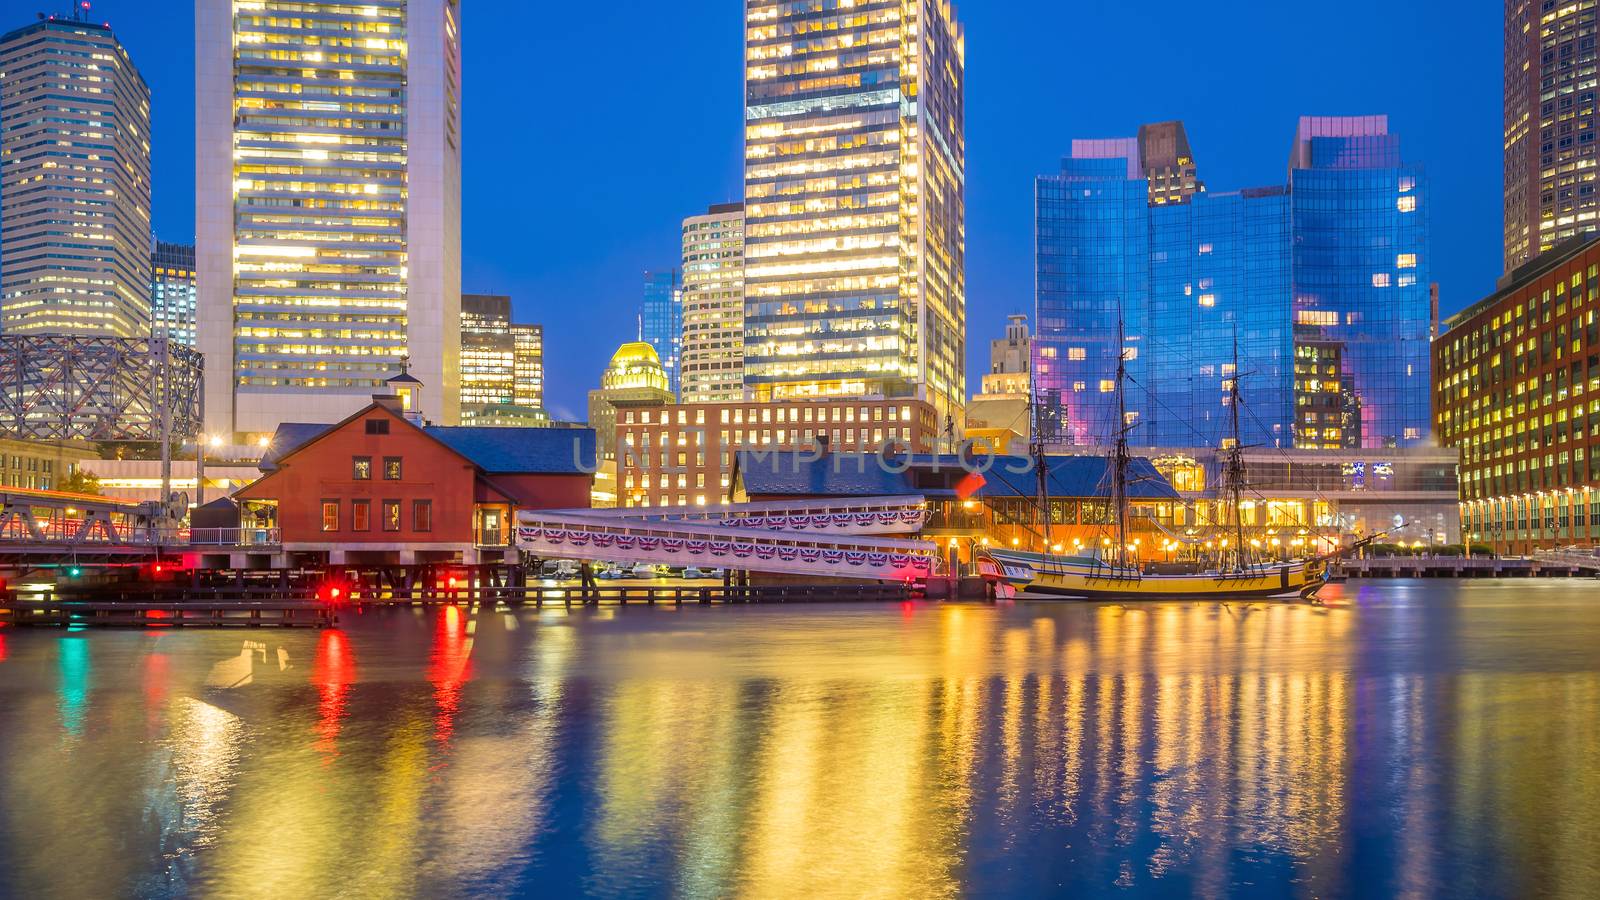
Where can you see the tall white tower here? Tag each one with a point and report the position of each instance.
(328, 206)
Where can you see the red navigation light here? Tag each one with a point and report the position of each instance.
(155, 568)
(333, 592)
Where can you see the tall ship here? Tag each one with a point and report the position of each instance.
(1114, 571)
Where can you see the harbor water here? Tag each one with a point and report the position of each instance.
(1417, 738)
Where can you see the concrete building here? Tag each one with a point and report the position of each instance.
(713, 305)
(683, 455)
(502, 365)
(855, 165)
(140, 479)
(172, 293)
(39, 465)
(1516, 390)
(74, 182)
(1551, 191)
(328, 206)
(1001, 417)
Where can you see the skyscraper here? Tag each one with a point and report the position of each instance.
(328, 206)
(172, 292)
(74, 182)
(1550, 150)
(1322, 283)
(661, 320)
(713, 305)
(502, 366)
(855, 162)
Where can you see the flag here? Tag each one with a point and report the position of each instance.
(969, 484)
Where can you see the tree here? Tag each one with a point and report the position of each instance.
(80, 482)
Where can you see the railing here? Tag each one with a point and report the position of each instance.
(235, 537)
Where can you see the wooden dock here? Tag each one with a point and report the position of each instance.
(150, 614)
(648, 595)
(1450, 567)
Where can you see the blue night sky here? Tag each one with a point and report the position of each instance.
(589, 136)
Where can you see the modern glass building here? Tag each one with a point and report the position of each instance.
(1321, 284)
(172, 292)
(713, 305)
(74, 182)
(661, 320)
(1550, 149)
(855, 164)
(328, 206)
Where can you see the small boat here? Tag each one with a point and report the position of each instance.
(1121, 576)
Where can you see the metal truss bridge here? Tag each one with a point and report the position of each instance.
(57, 388)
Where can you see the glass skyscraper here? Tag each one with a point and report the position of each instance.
(1322, 283)
(172, 292)
(855, 164)
(661, 320)
(713, 305)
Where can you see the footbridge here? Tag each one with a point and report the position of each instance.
(832, 538)
(48, 526)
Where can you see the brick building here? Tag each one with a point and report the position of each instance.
(1516, 389)
(380, 487)
(682, 455)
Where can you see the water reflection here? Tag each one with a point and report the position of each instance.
(1409, 740)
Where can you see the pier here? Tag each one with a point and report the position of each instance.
(1452, 567)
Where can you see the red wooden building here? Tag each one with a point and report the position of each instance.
(380, 487)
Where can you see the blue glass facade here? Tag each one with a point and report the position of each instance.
(1322, 283)
(661, 320)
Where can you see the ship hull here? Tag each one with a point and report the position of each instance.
(1081, 580)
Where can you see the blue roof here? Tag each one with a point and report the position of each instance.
(537, 451)
(289, 437)
(792, 473)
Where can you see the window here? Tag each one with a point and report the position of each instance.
(361, 468)
(391, 468)
(422, 515)
(391, 515)
(1406, 204)
(377, 426)
(330, 515)
(360, 515)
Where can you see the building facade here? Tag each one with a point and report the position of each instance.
(1002, 416)
(502, 364)
(328, 205)
(661, 321)
(1327, 274)
(378, 488)
(1517, 391)
(1550, 152)
(855, 165)
(713, 305)
(74, 182)
(172, 293)
(634, 377)
(683, 455)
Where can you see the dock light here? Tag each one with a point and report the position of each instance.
(1077, 543)
(1222, 543)
(985, 542)
(1016, 542)
(1275, 542)
(71, 511)
(1138, 541)
(1056, 548)
(1105, 542)
(74, 571)
(1255, 542)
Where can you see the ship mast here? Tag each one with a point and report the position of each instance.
(1119, 483)
(1235, 460)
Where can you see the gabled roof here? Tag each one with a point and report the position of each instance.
(793, 473)
(521, 451)
(289, 437)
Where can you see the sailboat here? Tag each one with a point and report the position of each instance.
(1118, 574)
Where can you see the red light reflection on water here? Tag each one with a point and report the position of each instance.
(3, 651)
(449, 667)
(333, 671)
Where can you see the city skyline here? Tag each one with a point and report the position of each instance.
(1454, 135)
